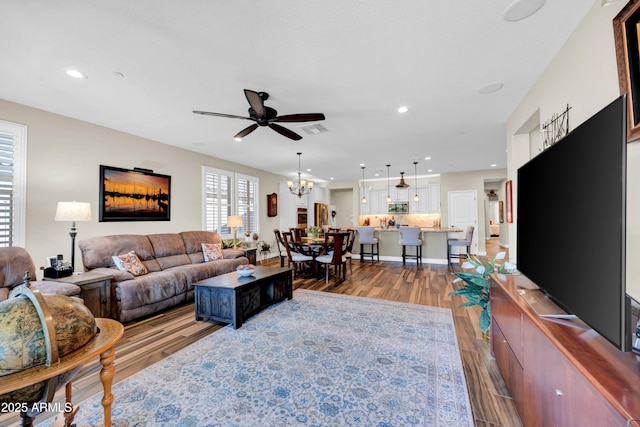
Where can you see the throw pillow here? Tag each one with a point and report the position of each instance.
(212, 251)
(131, 263)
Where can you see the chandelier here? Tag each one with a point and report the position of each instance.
(302, 187)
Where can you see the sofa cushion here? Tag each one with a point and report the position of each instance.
(169, 250)
(98, 251)
(151, 288)
(58, 288)
(129, 262)
(193, 241)
(212, 251)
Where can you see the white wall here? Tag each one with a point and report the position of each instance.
(584, 75)
(63, 158)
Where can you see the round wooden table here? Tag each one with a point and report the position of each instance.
(109, 333)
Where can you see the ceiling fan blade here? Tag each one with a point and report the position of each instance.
(284, 131)
(256, 101)
(231, 116)
(308, 117)
(246, 131)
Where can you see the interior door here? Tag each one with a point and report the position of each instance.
(463, 211)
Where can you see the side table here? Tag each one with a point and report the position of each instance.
(250, 253)
(95, 290)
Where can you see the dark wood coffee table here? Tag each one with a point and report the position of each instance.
(233, 299)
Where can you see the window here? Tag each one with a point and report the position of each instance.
(227, 193)
(13, 142)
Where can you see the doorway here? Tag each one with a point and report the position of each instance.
(463, 212)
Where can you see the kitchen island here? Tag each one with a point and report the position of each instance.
(434, 243)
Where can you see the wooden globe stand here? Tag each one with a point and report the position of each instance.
(108, 334)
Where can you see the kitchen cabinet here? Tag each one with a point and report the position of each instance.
(434, 198)
(422, 205)
(317, 195)
(301, 201)
(400, 195)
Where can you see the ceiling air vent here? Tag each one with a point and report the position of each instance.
(314, 129)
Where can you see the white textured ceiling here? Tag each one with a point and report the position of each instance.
(355, 61)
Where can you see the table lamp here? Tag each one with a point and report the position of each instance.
(234, 221)
(73, 211)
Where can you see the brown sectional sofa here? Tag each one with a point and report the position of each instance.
(174, 262)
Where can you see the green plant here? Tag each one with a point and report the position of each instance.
(476, 288)
(227, 244)
(264, 246)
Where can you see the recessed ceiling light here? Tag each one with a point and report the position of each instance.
(403, 109)
(490, 88)
(430, 170)
(521, 9)
(238, 139)
(493, 165)
(427, 158)
(308, 170)
(76, 74)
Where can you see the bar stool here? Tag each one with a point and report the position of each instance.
(367, 237)
(410, 236)
(465, 242)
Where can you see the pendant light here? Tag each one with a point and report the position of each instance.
(364, 199)
(402, 184)
(415, 168)
(388, 195)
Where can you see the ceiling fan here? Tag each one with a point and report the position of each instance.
(266, 116)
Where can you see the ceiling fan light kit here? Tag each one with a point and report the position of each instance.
(266, 116)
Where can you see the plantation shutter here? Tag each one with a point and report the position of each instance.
(6, 189)
(217, 200)
(247, 197)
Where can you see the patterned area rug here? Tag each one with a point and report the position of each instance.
(320, 359)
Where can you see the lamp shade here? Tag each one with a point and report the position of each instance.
(234, 221)
(73, 211)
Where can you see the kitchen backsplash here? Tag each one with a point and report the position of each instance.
(415, 220)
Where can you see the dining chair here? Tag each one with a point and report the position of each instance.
(281, 248)
(336, 256)
(295, 258)
(298, 234)
(367, 237)
(410, 236)
(464, 242)
(349, 253)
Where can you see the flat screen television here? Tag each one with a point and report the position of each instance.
(571, 213)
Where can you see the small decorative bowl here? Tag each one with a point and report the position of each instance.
(245, 273)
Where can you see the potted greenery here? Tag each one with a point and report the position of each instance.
(264, 246)
(476, 288)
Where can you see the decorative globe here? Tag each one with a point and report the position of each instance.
(22, 340)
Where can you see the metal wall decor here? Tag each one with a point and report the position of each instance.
(555, 128)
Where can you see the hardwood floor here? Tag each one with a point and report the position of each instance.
(148, 341)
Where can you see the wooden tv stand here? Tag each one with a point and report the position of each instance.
(560, 372)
